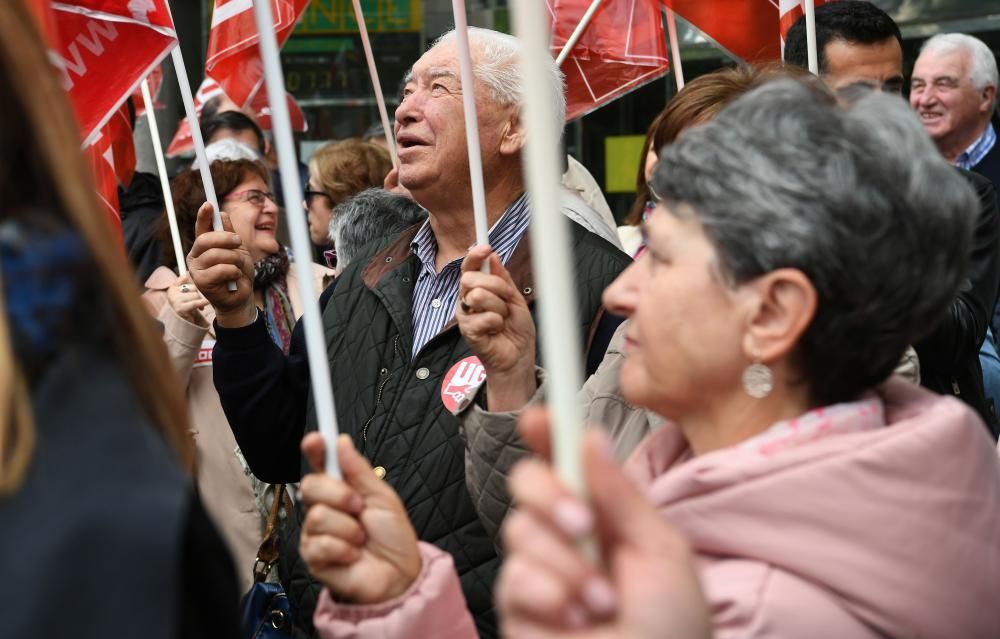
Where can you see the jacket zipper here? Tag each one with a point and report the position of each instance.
(378, 397)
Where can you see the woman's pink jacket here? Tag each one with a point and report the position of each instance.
(878, 518)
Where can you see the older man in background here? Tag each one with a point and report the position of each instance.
(393, 345)
(954, 90)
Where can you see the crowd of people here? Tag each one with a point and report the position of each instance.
(792, 375)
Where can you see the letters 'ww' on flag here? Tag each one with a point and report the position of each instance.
(103, 50)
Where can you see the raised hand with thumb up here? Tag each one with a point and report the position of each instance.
(356, 537)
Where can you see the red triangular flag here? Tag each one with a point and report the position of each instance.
(623, 48)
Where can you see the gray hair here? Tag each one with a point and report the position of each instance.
(982, 63)
(858, 200)
(496, 66)
(370, 215)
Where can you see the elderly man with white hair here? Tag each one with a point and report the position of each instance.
(954, 89)
(397, 359)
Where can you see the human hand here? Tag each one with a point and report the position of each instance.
(186, 301)
(494, 319)
(548, 588)
(216, 259)
(356, 538)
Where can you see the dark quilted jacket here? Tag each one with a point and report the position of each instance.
(392, 406)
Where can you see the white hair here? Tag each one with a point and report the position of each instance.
(982, 63)
(495, 64)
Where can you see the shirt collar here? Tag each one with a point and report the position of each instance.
(978, 149)
(425, 245)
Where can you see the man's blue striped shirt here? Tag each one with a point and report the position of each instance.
(435, 294)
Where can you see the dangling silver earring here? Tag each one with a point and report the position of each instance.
(758, 380)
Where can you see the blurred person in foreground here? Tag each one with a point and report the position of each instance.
(338, 171)
(860, 49)
(795, 487)
(237, 502)
(101, 530)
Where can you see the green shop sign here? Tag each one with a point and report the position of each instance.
(337, 16)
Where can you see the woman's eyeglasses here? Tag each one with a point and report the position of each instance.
(253, 196)
(308, 196)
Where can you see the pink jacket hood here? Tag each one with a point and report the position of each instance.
(890, 530)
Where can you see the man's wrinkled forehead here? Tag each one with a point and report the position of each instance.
(437, 62)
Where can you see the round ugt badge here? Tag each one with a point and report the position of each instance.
(461, 383)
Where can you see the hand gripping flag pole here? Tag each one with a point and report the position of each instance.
(319, 370)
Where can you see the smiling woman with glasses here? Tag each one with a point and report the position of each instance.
(247, 200)
(253, 196)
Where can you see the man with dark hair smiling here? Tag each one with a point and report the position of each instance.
(856, 44)
(859, 47)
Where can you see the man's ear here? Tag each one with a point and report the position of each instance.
(988, 93)
(783, 307)
(512, 138)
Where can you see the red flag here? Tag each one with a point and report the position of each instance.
(233, 58)
(182, 141)
(104, 50)
(623, 48)
(100, 156)
(112, 158)
(155, 79)
(748, 29)
(118, 133)
(792, 10)
(262, 112)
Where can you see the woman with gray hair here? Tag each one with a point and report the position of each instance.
(796, 249)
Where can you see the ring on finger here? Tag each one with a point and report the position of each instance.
(185, 288)
(465, 307)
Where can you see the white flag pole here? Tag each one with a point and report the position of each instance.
(281, 126)
(550, 246)
(810, 11)
(577, 32)
(199, 143)
(161, 168)
(471, 123)
(390, 138)
(675, 48)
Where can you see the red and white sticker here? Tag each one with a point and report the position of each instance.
(461, 383)
(204, 355)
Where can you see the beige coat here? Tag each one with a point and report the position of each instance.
(224, 482)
